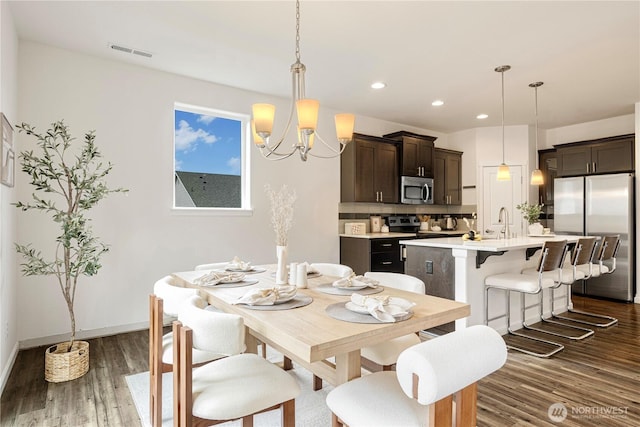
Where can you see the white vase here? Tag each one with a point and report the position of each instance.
(536, 229)
(281, 271)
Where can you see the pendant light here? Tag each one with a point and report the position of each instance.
(536, 174)
(503, 169)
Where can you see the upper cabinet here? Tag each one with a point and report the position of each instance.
(416, 153)
(548, 160)
(369, 170)
(599, 156)
(447, 181)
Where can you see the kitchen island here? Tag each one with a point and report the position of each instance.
(456, 269)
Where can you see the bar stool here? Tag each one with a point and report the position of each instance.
(567, 276)
(551, 260)
(584, 265)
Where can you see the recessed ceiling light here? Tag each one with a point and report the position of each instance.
(437, 103)
(482, 116)
(378, 85)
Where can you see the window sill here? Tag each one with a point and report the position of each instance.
(212, 211)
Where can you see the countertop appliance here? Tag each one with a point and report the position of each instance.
(416, 190)
(411, 224)
(598, 206)
(450, 223)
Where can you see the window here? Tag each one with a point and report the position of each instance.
(211, 164)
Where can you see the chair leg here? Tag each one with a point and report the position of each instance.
(289, 413)
(467, 405)
(556, 346)
(317, 383)
(608, 320)
(247, 421)
(335, 421)
(585, 332)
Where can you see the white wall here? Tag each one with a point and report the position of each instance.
(8, 213)
(131, 109)
(620, 125)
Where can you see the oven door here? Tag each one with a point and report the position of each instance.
(416, 191)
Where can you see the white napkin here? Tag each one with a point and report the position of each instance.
(268, 296)
(354, 281)
(384, 308)
(213, 278)
(237, 264)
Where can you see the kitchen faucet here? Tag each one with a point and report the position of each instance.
(505, 229)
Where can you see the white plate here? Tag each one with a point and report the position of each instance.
(352, 288)
(239, 270)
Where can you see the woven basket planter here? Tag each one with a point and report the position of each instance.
(62, 365)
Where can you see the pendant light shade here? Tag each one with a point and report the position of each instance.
(503, 170)
(536, 175)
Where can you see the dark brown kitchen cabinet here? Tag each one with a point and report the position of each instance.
(598, 156)
(369, 170)
(548, 161)
(447, 181)
(417, 152)
(364, 255)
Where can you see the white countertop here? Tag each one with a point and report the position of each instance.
(490, 245)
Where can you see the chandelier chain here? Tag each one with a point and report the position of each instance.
(297, 31)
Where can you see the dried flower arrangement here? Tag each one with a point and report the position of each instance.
(281, 211)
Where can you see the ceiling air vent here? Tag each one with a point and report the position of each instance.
(130, 50)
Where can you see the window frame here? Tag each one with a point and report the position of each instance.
(245, 163)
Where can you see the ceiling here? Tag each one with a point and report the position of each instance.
(587, 53)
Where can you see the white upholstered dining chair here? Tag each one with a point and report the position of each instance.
(329, 269)
(384, 355)
(167, 299)
(429, 376)
(235, 387)
(211, 266)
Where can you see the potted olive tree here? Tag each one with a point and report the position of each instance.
(69, 180)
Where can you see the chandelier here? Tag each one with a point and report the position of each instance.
(307, 113)
(536, 174)
(503, 169)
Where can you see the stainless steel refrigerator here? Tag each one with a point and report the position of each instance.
(598, 206)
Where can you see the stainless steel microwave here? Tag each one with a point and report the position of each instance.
(416, 190)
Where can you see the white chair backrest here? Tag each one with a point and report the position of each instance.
(451, 362)
(173, 294)
(328, 269)
(398, 281)
(220, 333)
(211, 266)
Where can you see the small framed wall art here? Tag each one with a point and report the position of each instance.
(7, 163)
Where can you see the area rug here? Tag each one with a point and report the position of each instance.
(311, 409)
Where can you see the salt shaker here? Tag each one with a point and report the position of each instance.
(301, 276)
(293, 273)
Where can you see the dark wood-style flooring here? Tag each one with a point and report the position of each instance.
(597, 381)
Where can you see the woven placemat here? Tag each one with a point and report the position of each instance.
(233, 285)
(340, 312)
(297, 301)
(328, 288)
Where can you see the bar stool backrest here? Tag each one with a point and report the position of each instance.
(553, 254)
(584, 252)
(609, 247)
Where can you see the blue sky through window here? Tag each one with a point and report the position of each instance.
(207, 143)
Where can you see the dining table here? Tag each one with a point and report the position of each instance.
(308, 335)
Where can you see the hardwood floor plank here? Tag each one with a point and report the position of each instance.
(592, 378)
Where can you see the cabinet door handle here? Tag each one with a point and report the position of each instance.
(419, 171)
(593, 167)
(587, 167)
(386, 245)
(377, 196)
(381, 196)
(386, 262)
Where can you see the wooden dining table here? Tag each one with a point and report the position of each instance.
(309, 336)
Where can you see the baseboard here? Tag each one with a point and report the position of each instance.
(8, 367)
(83, 335)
